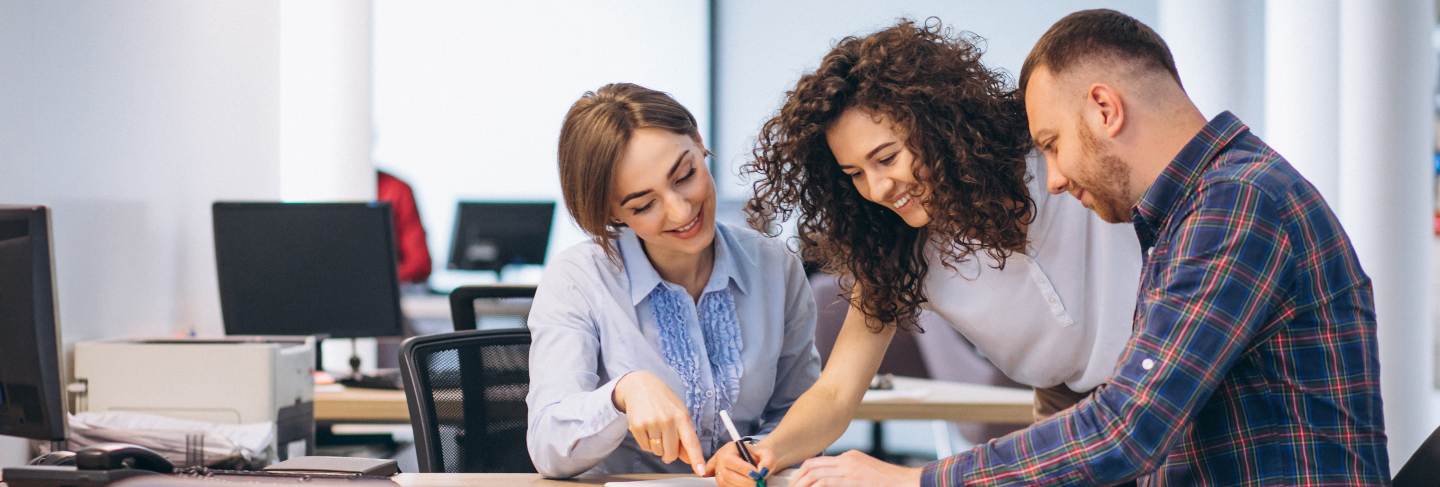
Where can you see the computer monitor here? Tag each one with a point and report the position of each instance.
(490, 235)
(307, 269)
(31, 400)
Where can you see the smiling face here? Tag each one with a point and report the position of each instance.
(1077, 161)
(664, 192)
(874, 156)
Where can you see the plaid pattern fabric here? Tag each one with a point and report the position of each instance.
(1254, 358)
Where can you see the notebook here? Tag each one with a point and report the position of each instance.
(781, 479)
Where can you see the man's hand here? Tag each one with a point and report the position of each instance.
(853, 468)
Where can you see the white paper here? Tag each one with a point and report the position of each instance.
(781, 479)
(675, 482)
(167, 436)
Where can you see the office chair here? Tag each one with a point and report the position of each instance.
(1423, 468)
(495, 301)
(466, 393)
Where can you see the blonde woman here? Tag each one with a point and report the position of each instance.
(644, 334)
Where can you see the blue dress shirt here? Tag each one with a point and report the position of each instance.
(593, 321)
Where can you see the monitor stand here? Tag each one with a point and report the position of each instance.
(381, 379)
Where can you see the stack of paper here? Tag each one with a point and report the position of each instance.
(175, 439)
(781, 479)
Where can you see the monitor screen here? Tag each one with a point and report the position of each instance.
(490, 235)
(31, 401)
(307, 269)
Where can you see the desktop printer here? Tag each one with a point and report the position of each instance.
(231, 380)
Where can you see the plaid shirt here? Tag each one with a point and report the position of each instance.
(1254, 357)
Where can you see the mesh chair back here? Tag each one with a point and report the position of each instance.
(491, 307)
(466, 392)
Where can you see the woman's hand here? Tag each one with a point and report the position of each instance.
(853, 468)
(730, 470)
(658, 420)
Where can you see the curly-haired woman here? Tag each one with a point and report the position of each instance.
(909, 165)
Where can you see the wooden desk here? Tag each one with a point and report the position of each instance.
(340, 404)
(437, 307)
(506, 480)
(425, 306)
(930, 400)
(952, 401)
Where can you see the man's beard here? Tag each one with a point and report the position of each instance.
(1106, 178)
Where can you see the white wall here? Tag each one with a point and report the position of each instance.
(764, 47)
(469, 96)
(128, 129)
(129, 119)
(1219, 49)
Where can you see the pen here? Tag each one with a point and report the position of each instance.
(740, 444)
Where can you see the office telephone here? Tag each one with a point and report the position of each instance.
(94, 466)
(113, 456)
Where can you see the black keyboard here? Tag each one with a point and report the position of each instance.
(383, 379)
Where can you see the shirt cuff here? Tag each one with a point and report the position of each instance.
(605, 415)
(947, 471)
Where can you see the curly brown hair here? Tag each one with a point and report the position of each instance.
(960, 119)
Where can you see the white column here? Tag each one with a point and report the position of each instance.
(325, 118)
(1219, 50)
(1302, 88)
(1387, 78)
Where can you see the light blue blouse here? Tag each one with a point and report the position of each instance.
(748, 346)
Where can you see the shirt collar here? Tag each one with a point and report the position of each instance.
(732, 264)
(1181, 177)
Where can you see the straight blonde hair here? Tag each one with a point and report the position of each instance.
(592, 141)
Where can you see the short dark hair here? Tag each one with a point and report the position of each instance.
(1090, 34)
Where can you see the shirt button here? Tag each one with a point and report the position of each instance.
(1147, 364)
(1150, 252)
(709, 394)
